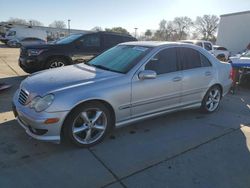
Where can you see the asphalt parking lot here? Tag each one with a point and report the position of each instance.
(183, 149)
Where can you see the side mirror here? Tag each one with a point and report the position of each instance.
(147, 74)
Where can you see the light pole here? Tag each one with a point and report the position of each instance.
(135, 31)
(69, 25)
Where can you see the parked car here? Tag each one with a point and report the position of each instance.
(129, 82)
(75, 48)
(221, 53)
(25, 41)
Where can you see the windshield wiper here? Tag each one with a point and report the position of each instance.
(104, 68)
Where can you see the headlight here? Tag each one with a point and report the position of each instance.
(35, 52)
(41, 103)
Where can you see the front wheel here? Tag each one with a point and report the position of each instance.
(56, 62)
(88, 124)
(211, 100)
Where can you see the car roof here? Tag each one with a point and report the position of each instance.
(194, 41)
(154, 43)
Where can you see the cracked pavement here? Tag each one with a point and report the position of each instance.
(183, 149)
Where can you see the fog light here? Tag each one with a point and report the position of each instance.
(51, 120)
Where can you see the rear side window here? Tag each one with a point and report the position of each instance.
(111, 40)
(91, 41)
(204, 61)
(208, 46)
(189, 58)
(164, 62)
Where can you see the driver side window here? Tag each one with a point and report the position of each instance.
(163, 62)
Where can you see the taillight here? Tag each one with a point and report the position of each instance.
(232, 75)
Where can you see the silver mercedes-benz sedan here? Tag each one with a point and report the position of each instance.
(128, 83)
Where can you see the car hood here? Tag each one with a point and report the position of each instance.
(68, 77)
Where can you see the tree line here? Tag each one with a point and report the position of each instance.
(56, 24)
(180, 28)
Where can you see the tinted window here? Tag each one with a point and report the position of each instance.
(204, 61)
(68, 39)
(208, 46)
(164, 62)
(111, 40)
(91, 41)
(189, 58)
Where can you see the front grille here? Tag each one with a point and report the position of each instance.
(23, 96)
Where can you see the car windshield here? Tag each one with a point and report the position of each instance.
(246, 54)
(68, 39)
(119, 58)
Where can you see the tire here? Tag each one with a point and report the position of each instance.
(88, 124)
(211, 100)
(56, 62)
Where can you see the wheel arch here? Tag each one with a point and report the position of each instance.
(107, 104)
(216, 84)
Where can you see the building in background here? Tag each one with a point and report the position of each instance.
(234, 31)
(51, 33)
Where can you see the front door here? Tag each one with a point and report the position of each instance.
(163, 92)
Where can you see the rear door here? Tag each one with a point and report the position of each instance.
(197, 75)
(163, 92)
(86, 48)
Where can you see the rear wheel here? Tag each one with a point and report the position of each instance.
(211, 101)
(56, 62)
(88, 124)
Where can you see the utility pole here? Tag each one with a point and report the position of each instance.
(135, 31)
(69, 25)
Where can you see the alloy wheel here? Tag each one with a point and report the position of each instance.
(89, 126)
(213, 99)
(56, 64)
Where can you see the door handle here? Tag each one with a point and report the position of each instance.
(208, 73)
(177, 79)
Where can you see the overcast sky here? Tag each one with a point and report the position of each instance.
(144, 14)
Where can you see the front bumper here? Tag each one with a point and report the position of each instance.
(30, 65)
(34, 125)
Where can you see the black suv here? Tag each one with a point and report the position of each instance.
(75, 48)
